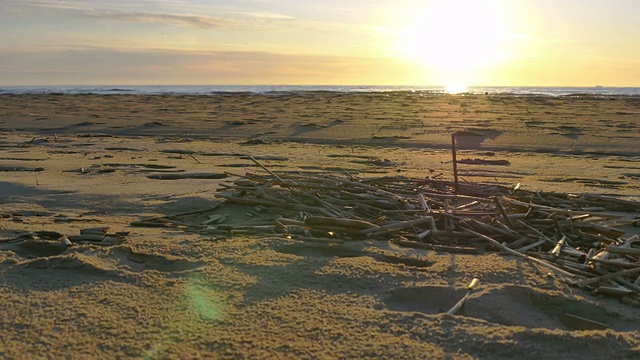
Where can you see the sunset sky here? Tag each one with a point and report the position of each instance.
(328, 42)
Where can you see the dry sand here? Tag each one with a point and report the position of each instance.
(168, 293)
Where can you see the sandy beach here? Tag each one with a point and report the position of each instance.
(76, 162)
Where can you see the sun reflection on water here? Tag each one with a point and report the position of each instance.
(455, 88)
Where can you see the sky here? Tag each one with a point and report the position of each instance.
(328, 42)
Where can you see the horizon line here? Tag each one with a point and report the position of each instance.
(319, 85)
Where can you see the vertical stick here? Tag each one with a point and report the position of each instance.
(455, 163)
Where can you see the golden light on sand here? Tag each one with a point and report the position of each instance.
(453, 36)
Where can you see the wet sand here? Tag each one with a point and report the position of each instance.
(71, 162)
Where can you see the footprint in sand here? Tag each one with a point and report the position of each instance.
(427, 300)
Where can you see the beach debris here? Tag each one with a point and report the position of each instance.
(580, 238)
(483, 162)
(47, 243)
(180, 176)
(99, 236)
(114, 167)
(4, 168)
(61, 218)
(454, 161)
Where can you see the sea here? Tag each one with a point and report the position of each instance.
(288, 89)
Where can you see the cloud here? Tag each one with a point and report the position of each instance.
(162, 12)
(57, 5)
(267, 15)
(206, 22)
(188, 15)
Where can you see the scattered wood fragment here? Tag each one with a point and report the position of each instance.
(581, 323)
(4, 168)
(484, 162)
(180, 176)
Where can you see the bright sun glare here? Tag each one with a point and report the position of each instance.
(455, 88)
(455, 38)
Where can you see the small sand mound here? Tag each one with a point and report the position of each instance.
(78, 262)
(138, 262)
(514, 305)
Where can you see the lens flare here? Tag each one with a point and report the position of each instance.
(206, 302)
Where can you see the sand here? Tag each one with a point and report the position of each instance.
(70, 162)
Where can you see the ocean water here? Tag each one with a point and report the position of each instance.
(287, 89)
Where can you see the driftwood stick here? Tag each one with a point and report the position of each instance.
(494, 229)
(522, 241)
(455, 163)
(423, 202)
(184, 213)
(266, 227)
(503, 212)
(150, 224)
(455, 197)
(179, 223)
(508, 229)
(614, 200)
(360, 185)
(246, 200)
(164, 222)
(622, 250)
(536, 231)
(460, 302)
(614, 290)
(436, 247)
(524, 256)
(601, 229)
(451, 234)
(531, 246)
(558, 248)
(569, 265)
(608, 276)
(627, 283)
(559, 210)
(267, 170)
(338, 222)
(582, 323)
(286, 221)
(397, 226)
(317, 239)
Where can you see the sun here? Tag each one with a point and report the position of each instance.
(455, 37)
